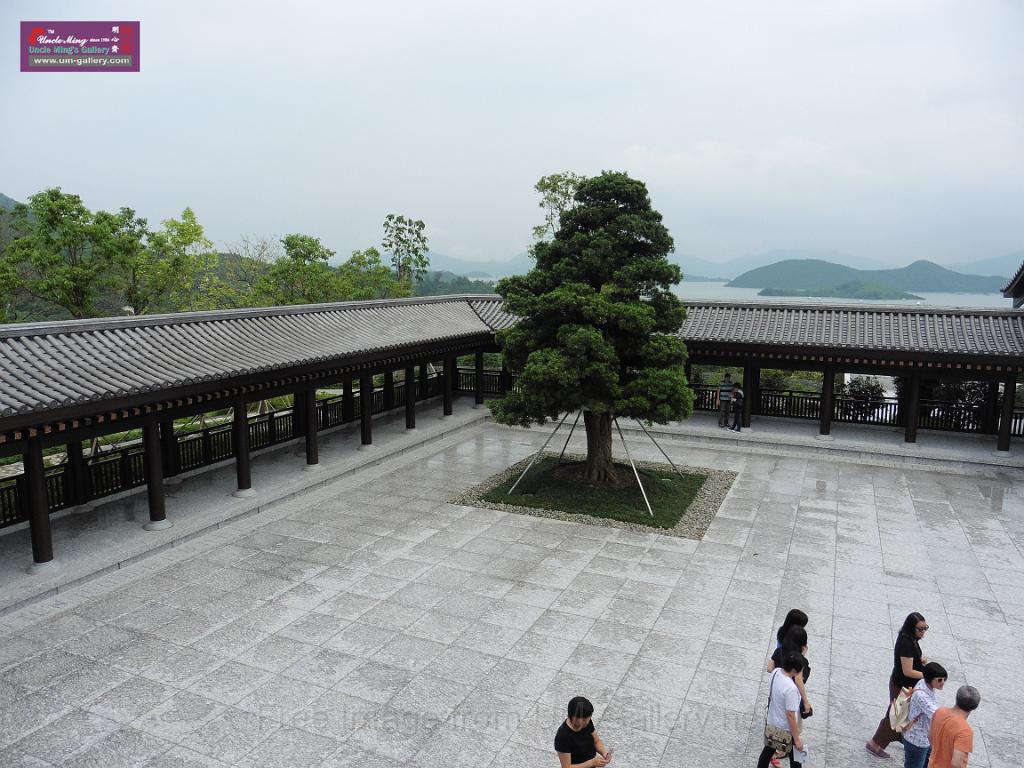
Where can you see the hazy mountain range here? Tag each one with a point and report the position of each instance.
(814, 274)
(696, 268)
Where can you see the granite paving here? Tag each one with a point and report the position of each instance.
(369, 622)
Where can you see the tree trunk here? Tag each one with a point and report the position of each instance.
(599, 468)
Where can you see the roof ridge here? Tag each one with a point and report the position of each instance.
(15, 330)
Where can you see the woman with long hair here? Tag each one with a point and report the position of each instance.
(907, 669)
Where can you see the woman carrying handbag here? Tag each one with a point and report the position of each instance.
(781, 725)
(907, 669)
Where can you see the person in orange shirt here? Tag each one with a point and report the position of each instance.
(951, 737)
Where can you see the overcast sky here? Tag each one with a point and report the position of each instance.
(889, 129)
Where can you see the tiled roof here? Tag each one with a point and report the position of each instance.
(995, 333)
(48, 366)
(1015, 288)
(44, 366)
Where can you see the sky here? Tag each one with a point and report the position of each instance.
(888, 129)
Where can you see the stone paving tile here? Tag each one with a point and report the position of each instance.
(124, 747)
(131, 699)
(57, 740)
(230, 735)
(381, 628)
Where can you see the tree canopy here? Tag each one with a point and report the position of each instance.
(598, 320)
(60, 260)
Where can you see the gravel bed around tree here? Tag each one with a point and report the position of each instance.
(692, 525)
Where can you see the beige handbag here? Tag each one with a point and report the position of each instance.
(777, 738)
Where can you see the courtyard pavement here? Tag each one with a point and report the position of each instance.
(368, 622)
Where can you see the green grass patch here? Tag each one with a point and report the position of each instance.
(562, 488)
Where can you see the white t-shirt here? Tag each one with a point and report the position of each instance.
(785, 697)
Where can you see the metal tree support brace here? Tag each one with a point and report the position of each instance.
(636, 474)
(658, 446)
(573, 429)
(538, 454)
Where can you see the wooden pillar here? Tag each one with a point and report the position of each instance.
(506, 380)
(748, 390)
(348, 402)
(389, 390)
(754, 395)
(366, 408)
(913, 401)
(410, 397)
(310, 426)
(688, 372)
(153, 466)
(449, 376)
(478, 380)
(76, 473)
(298, 413)
(424, 381)
(1006, 414)
(169, 447)
(991, 418)
(37, 506)
(240, 438)
(828, 382)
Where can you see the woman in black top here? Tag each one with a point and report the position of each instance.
(907, 669)
(577, 743)
(795, 641)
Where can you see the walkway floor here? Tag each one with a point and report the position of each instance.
(368, 622)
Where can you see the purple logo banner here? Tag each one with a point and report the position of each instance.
(79, 46)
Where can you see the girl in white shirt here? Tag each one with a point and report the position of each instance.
(923, 703)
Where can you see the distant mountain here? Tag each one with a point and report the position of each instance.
(695, 267)
(7, 203)
(517, 265)
(921, 276)
(1002, 266)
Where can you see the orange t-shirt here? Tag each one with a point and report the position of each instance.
(949, 732)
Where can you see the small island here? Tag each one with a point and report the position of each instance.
(855, 289)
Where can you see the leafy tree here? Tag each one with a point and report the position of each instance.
(59, 254)
(866, 394)
(139, 276)
(301, 276)
(557, 195)
(191, 263)
(365, 276)
(405, 242)
(598, 321)
(241, 269)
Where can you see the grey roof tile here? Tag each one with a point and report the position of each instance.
(46, 366)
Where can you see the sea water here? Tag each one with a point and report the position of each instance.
(700, 291)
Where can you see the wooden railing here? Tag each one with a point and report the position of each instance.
(932, 414)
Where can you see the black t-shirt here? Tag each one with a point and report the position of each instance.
(908, 648)
(579, 744)
(777, 661)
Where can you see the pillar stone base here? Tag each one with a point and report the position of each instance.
(1002, 454)
(910, 446)
(48, 568)
(157, 525)
(824, 438)
(371, 446)
(311, 468)
(244, 493)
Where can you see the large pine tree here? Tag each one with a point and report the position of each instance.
(598, 322)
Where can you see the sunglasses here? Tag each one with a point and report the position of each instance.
(922, 629)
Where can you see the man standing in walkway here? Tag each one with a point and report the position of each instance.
(951, 737)
(723, 399)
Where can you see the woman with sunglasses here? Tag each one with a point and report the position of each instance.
(907, 669)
